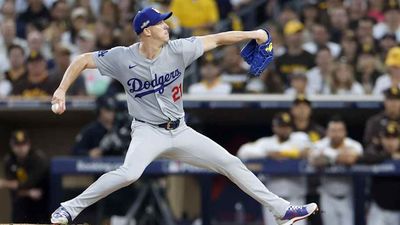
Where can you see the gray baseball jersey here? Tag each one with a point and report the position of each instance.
(153, 87)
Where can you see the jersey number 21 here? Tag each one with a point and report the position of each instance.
(177, 92)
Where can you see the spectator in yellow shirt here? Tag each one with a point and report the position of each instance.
(200, 16)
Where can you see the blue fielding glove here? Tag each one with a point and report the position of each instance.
(248, 50)
(258, 56)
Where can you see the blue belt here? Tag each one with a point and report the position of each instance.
(170, 125)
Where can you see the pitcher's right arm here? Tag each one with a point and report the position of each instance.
(83, 61)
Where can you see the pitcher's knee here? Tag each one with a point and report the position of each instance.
(231, 163)
(130, 176)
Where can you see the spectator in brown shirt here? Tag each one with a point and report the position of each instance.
(295, 59)
(301, 111)
(390, 113)
(17, 70)
(37, 82)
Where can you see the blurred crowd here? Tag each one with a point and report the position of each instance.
(338, 47)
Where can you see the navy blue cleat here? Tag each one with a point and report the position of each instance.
(61, 216)
(296, 213)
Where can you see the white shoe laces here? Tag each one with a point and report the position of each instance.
(295, 207)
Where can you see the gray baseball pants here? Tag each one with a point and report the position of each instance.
(185, 144)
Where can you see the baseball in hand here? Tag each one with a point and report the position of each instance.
(55, 107)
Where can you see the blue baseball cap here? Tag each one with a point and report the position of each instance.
(148, 17)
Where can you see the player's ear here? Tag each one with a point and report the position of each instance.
(146, 32)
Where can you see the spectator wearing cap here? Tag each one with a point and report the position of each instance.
(343, 81)
(37, 83)
(320, 74)
(26, 176)
(301, 111)
(62, 55)
(283, 144)
(88, 141)
(392, 78)
(391, 113)
(199, 16)
(18, 70)
(385, 208)
(211, 82)
(336, 191)
(79, 21)
(320, 38)
(92, 8)
(391, 22)
(295, 59)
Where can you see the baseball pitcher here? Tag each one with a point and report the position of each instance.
(151, 72)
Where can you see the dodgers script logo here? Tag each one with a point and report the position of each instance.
(156, 85)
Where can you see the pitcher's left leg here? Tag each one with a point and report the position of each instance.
(196, 149)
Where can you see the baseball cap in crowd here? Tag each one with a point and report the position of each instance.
(34, 56)
(282, 119)
(389, 36)
(148, 17)
(301, 98)
(79, 12)
(390, 130)
(392, 93)
(19, 137)
(292, 27)
(393, 57)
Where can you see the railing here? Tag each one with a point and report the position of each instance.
(199, 101)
